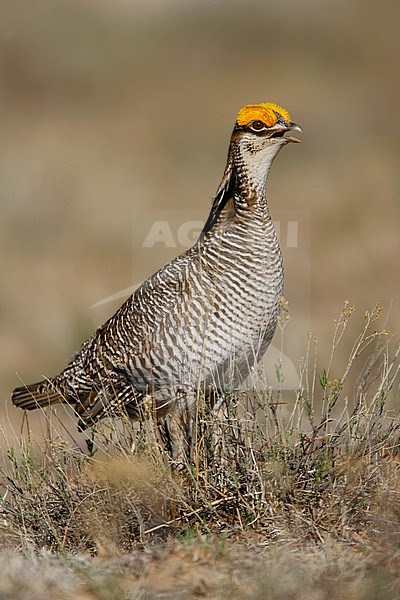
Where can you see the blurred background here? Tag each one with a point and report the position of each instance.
(116, 115)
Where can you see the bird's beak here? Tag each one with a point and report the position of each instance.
(294, 127)
(281, 129)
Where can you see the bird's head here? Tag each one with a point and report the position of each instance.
(260, 133)
(264, 125)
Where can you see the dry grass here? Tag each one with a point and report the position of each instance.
(312, 492)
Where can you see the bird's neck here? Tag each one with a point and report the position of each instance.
(241, 194)
(252, 172)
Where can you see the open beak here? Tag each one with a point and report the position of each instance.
(281, 130)
(294, 127)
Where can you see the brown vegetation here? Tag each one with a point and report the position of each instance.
(312, 490)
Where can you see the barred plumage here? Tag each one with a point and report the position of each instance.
(206, 318)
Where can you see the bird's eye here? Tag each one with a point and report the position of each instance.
(257, 125)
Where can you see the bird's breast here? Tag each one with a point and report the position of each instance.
(220, 318)
(227, 309)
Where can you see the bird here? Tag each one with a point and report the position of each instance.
(202, 322)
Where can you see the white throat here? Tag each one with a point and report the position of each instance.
(257, 165)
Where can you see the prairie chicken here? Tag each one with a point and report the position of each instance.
(206, 318)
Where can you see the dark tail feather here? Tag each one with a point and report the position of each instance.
(36, 395)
